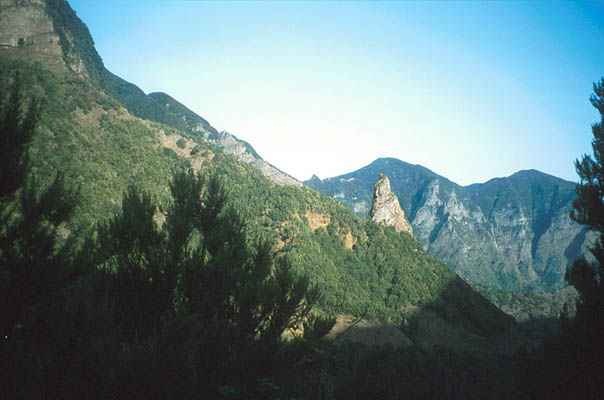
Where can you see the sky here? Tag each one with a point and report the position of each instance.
(471, 90)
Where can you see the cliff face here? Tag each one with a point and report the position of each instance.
(51, 32)
(509, 232)
(48, 31)
(386, 209)
(26, 25)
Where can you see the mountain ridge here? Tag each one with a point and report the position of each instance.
(466, 226)
(71, 40)
(228, 142)
(93, 129)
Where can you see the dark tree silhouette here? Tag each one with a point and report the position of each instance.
(177, 303)
(18, 118)
(195, 279)
(37, 265)
(571, 365)
(588, 277)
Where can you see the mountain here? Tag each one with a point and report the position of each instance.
(53, 33)
(104, 134)
(508, 233)
(229, 143)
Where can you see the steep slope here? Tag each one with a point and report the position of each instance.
(53, 34)
(229, 143)
(88, 132)
(529, 215)
(508, 233)
(386, 209)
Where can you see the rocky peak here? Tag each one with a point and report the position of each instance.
(386, 209)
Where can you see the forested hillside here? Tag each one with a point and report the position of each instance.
(169, 268)
(509, 233)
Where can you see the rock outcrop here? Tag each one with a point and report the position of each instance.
(50, 32)
(508, 233)
(26, 24)
(45, 31)
(229, 143)
(386, 209)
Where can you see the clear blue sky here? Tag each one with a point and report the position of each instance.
(471, 90)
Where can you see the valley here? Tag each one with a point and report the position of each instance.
(419, 296)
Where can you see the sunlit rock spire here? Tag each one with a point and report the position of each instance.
(386, 209)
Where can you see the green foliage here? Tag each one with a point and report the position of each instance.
(586, 277)
(30, 217)
(185, 309)
(198, 270)
(181, 143)
(100, 148)
(409, 372)
(185, 299)
(383, 273)
(77, 44)
(178, 116)
(37, 267)
(17, 123)
(195, 150)
(580, 346)
(544, 198)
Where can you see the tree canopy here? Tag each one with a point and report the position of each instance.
(588, 277)
(170, 302)
(572, 365)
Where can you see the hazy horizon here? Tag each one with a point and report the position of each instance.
(470, 90)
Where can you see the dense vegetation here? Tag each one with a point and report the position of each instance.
(126, 275)
(581, 344)
(188, 309)
(102, 149)
(192, 307)
(514, 232)
(105, 336)
(537, 312)
(510, 238)
(84, 133)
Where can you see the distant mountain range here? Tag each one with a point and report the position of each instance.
(509, 233)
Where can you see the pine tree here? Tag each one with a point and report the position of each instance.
(37, 265)
(195, 284)
(584, 338)
(33, 261)
(18, 119)
(586, 277)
